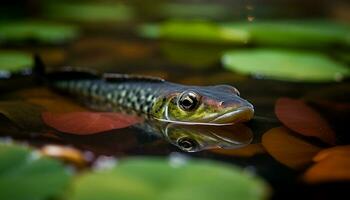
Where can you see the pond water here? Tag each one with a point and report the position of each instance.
(294, 120)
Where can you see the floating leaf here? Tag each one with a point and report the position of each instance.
(334, 167)
(88, 11)
(288, 149)
(247, 151)
(299, 117)
(285, 65)
(25, 115)
(151, 178)
(85, 123)
(24, 174)
(14, 62)
(295, 33)
(198, 31)
(43, 32)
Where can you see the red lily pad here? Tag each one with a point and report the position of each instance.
(86, 123)
(301, 118)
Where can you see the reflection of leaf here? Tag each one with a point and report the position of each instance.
(199, 31)
(288, 149)
(85, 123)
(299, 117)
(25, 115)
(295, 33)
(247, 151)
(88, 11)
(37, 31)
(12, 61)
(332, 165)
(158, 179)
(285, 65)
(26, 175)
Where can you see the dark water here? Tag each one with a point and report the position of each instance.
(110, 49)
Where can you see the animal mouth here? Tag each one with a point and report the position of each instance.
(229, 117)
(234, 116)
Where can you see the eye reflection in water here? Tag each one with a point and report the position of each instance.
(193, 138)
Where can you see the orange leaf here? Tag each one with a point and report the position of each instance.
(247, 151)
(344, 150)
(287, 149)
(299, 117)
(334, 167)
(85, 123)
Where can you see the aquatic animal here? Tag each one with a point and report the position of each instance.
(151, 97)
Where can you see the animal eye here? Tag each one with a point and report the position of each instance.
(187, 144)
(188, 101)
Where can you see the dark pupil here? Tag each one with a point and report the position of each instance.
(187, 103)
(187, 143)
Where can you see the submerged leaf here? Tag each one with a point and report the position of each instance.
(285, 65)
(288, 149)
(151, 178)
(65, 105)
(25, 115)
(42, 32)
(24, 174)
(49, 100)
(14, 62)
(299, 117)
(85, 123)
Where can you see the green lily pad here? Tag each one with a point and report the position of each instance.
(13, 62)
(42, 32)
(24, 174)
(88, 11)
(152, 178)
(285, 65)
(295, 33)
(198, 31)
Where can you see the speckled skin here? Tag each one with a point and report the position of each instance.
(158, 99)
(130, 97)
